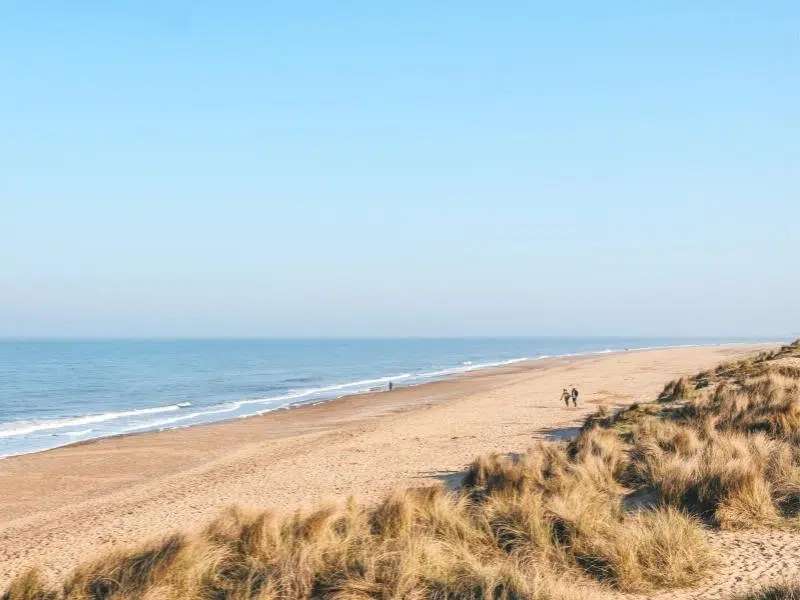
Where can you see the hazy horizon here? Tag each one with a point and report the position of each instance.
(325, 171)
(721, 339)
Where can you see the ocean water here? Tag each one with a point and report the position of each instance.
(54, 393)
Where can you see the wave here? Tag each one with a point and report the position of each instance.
(278, 402)
(467, 368)
(164, 422)
(18, 428)
(76, 433)
(291, 398)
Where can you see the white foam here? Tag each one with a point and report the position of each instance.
(18, 428)
(223, 408)
(292, 397)
(467, 368)
(77, 433)
(23, 428)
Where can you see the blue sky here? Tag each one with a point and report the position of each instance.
(430, 168)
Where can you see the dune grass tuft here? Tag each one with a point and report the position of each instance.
(29, 586)
(779, 592)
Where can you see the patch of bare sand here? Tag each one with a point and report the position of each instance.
(61, 507)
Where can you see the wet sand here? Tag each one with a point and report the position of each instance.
(62, 506)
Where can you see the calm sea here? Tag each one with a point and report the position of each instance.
(54, 393)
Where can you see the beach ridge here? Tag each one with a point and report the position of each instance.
(86, 499)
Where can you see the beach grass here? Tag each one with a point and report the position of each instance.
(777, 592)
(627, 505)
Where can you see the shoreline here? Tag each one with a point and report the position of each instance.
(299, 407)
(448, 374)
(453, 373)
(76, 501)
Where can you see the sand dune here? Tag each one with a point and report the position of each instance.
(61, 507)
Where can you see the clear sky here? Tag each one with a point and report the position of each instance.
(429, 168)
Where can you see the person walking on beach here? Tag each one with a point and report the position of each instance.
(574, 395)
(565, 396)
(391, 385)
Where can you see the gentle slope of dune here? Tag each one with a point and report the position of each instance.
(625, 505)
(635, 504)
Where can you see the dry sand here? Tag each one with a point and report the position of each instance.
(62, 506)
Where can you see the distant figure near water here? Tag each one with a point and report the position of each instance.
(574, 395)
(565, 396)
(391, 386)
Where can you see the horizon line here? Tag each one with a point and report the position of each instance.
(112, 338)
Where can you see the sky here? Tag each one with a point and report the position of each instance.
(399, 169)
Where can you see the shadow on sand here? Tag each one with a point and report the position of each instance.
(563, 434)
(632, 502)
(452, 479)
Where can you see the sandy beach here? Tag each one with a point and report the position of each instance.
(62, 506)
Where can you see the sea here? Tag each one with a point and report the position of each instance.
(59, 392)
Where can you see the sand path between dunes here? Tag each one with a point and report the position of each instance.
(63, 506)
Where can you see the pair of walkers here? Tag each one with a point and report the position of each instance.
(568, 395)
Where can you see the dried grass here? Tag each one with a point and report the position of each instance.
(716, 450)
